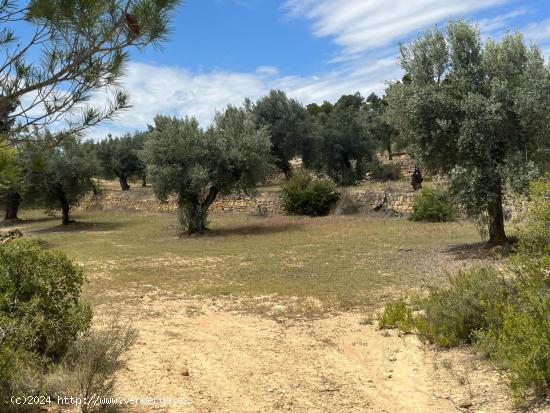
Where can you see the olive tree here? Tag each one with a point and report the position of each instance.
(346, 143)
(119, 158)
(475, 111)
(289, 127)
(58, 176)
(197, 166)
(385, 135)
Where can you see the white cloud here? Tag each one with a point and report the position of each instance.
(360, 25)
(267, 70)
(538, 32)
(177, 91)
(501, 22)
(366, 30)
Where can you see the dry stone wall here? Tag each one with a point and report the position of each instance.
(395, 203)
(392, 201)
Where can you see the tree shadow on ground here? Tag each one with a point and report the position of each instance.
(25, 222)
(78, 226)
(254, 229)
(478, 251)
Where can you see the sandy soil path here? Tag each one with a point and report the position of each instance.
(244, 363)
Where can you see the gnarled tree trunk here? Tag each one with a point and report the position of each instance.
(285, 168)
(13, 201)
(346, 172)
(497, 234)
(65, 206)
(124, 183)
(194, 214)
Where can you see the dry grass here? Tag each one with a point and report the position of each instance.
(330, 263)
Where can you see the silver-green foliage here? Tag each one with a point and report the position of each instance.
(198, 165)
(477, 111)
(58, 176)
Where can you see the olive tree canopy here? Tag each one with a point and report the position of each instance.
(119, 158)
(289, 127)
(58, 176)
(196, 166)
(475, 111)
(346, 141)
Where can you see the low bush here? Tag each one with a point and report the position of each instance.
(89, 367)
(521, 345)
(20, 375)
(534, 237)
(39, 299)
(306, 195)
(397, 314)
(433, 205)
(503, 312)
(473, 301)
(46, 346)
(384, 172)
(453, 315)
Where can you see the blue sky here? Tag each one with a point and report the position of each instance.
(222, 51)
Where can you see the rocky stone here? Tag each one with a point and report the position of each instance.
(465, 404)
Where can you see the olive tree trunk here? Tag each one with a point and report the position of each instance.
(285, 167)
(193, 213)
(347, 172)
(497, 234)
(124, 183)
(65, 206)
(13, 201)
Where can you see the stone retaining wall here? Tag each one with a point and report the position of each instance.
(395, 203)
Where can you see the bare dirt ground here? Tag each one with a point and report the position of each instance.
(203, 356)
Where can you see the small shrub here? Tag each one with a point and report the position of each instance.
(39, 299)
(305, 195)
(397, 314)
(451, 316)
(473, 301)
(384, 172)
(433, 205)
(88, 369)
(534, 237)
(20, 375)
(521, 345)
